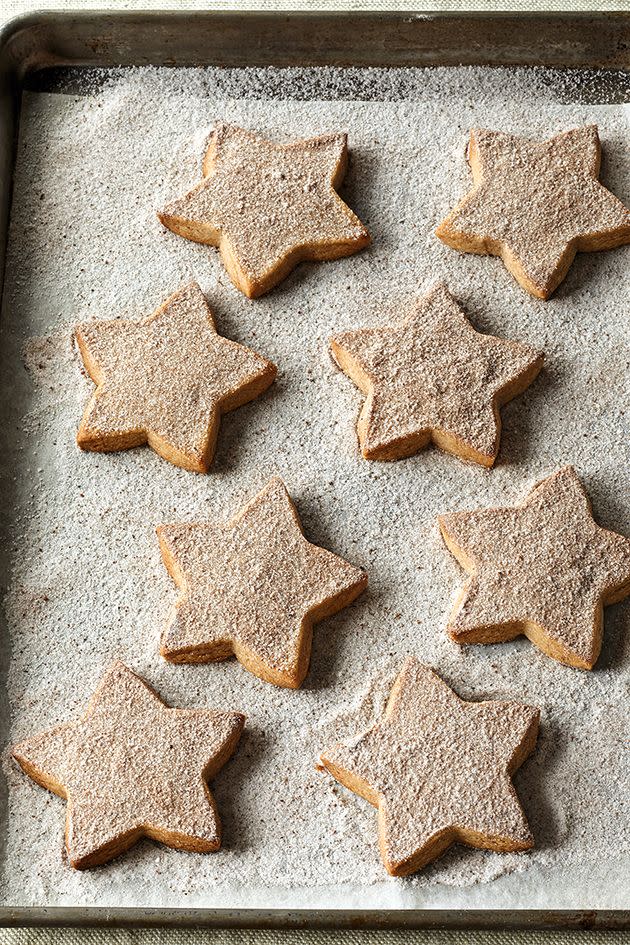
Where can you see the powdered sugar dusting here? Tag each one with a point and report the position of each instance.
(251, 584)
(130, 766)
(168, 376)
(86, 580)
(433, 372)
(536, 199)
(266, 200)
(437, 765)
(546, 561)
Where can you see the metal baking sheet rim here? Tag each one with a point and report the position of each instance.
(592, 896)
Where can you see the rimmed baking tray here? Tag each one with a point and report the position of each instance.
(32, 46)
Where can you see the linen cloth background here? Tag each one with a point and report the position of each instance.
(300, 937)
(11, 8)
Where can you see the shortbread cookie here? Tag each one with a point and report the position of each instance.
(433, 378)
(269, 206)
(131, 768)
(166, 381)
(253, 587)
(544, 569)
(535, 204)
(438, 769)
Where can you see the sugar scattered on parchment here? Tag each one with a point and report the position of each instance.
(86, 580)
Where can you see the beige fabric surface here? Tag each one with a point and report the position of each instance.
(11, 8)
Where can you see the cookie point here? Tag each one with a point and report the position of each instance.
(17, 752)
(455, 634)
(441, 230)
(413, 662)
(276, 483)
(443, 523)
(237, 720)
(362, 578)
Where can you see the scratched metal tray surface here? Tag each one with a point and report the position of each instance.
(42, 51)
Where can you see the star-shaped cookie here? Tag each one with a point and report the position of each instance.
(253, 587)
(269, 206)
(535, 204)
(131, 768)
(166, 381)
(438, 769)
(433, 378)
(544, 569)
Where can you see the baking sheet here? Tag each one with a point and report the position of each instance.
(86, 581)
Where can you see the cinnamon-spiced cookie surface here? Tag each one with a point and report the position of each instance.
(433, 378)
(166, 381)
(535, 204)
(133, 767)
(544, 568)
(268, 206)
(438, 770)
(253, 587)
